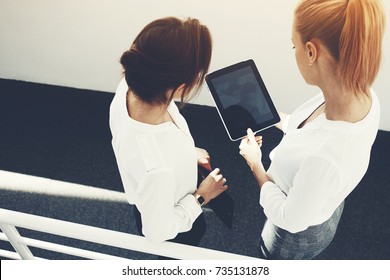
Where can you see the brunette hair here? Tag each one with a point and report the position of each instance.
(352, 30)
(167, 53)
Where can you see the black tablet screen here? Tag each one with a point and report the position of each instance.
(242, 99)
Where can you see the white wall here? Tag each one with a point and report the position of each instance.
(78, 43)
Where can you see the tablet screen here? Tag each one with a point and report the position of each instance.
(242, 99)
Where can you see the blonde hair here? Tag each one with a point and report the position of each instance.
(352, 30)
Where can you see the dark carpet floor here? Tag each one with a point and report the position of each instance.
(63, 134)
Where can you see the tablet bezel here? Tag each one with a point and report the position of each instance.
(229, 69)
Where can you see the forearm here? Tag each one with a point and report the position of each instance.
(162, 221)
(260, 174)
(163, 217)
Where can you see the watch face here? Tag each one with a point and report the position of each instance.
(200, 200)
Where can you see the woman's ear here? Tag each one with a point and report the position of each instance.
(312, 52)
(179, 91)
(176, 93)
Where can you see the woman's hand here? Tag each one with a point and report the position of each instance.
(203, 158)
(212, 186)
(250, 148)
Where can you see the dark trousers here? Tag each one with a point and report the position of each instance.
(191, 237)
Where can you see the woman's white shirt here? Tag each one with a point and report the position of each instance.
(158, 168)
(316, 167)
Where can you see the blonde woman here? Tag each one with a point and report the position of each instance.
(326, 148)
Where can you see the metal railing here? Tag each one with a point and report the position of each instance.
(11, 220)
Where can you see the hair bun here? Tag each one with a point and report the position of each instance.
(128, 59)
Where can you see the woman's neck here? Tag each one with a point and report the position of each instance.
(144, 112)
(341, 105)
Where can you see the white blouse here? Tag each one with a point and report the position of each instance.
(158, 168)
(316, 167)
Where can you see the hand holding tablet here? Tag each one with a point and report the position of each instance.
(242, 100)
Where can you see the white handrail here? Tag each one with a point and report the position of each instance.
(16, 241)
(87, 254)
(9, 255)
(100, 236)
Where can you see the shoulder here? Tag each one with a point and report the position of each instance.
(120, 93)
(149, 152)
(145, 151)
(118, 104)
(140, 148)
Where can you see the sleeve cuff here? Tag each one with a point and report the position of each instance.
(192, 207)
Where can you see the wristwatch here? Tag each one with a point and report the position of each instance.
(199, 199)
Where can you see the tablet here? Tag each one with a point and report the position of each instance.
(242, 100)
